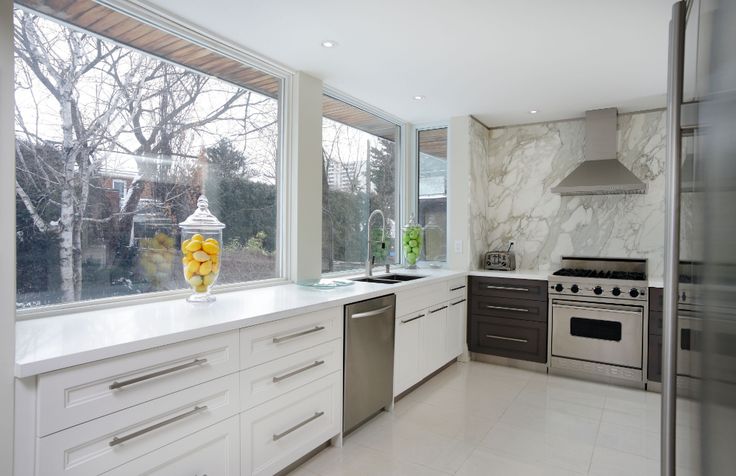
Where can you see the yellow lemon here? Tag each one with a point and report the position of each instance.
(211, 240)
(209, 279)
(185, 260)
(205, 268)
(215, 259)
(194, 246)
(193, 266)
(201, 288)
(197, 237)
(187, 274)
(184, 245)
(210, 248)
(201, 256)
(215, 267)
(195, 281)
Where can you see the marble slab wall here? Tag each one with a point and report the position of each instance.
(516, 167)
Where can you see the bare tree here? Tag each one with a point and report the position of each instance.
(108, 98)
(83, 131)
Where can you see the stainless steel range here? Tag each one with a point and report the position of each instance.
(598, 309)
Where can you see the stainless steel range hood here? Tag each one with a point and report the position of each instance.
(600, 173)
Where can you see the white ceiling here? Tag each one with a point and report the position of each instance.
(494, 59)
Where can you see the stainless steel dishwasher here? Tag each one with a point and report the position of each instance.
(369, 359)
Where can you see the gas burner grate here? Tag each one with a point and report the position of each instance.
(601, 274)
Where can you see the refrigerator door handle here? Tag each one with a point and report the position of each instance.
(675, 75)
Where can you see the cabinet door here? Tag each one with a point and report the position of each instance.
(455, 333)
(406, 351)
(209, 452)
(432, 348)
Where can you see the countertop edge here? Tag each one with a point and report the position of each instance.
(31, 367)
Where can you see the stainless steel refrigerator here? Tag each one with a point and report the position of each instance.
(700, 232)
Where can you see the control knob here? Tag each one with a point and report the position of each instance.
(574, 288)
(559, 288)
(616, 291)
(598, 290)
(634, 292)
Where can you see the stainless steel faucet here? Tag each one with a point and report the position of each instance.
(370, 258)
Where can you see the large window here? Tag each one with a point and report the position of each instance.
(432, 206)
(359, 162)
(113, 147)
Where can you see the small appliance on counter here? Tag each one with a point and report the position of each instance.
(500, 260)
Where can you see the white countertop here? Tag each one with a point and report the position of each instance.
(51, 343)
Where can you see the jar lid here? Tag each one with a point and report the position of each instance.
(202, 218)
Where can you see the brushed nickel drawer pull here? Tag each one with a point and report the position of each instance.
(277, 340)
(506, 288)
(437, 310)
(504, 308)
(413, 318)
(458, 302)
(316, 363)
(512, 339)
(278, 436)
(194, 363)
(116, 441)
(457, 288)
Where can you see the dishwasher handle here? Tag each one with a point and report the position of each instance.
(373, 313)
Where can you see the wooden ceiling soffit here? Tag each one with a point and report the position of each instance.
(433, 142)
(108, 23)
(352, 116)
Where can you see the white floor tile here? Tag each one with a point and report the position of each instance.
(481, 419)
(484, 462)
(541, 449)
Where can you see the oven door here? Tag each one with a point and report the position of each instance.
(689, 345)
(609, 334)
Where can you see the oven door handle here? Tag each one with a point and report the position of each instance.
(606, 309)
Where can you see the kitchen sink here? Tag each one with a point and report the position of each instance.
(388, 278)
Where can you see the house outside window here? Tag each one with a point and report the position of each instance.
(116, 138)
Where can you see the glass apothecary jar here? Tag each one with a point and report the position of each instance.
(201, 246)
(412, 236)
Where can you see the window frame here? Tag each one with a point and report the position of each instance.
(177, 27)
(402, 173)
(428, 126)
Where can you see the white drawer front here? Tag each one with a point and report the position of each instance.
(214, 451)
(266, 381)
(71, 396)
(283, 430)
(264, 342)
(413, 300)
(457, 288)
(91, 448)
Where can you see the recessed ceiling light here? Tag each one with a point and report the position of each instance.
(329, 44)
(533, 111)
(419, 98)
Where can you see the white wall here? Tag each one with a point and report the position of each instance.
(458, 199)
(7, 235)
(306, 175)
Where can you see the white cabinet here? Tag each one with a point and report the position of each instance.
(406, 351)
(104, 443)
(456, 325)
(78, 394)
(430, 331)
(213, 451)
(282, 430)
(432, 354)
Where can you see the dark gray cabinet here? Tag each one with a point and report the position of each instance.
(508, 318)
(654, 356)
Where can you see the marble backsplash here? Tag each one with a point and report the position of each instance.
(514, 168)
